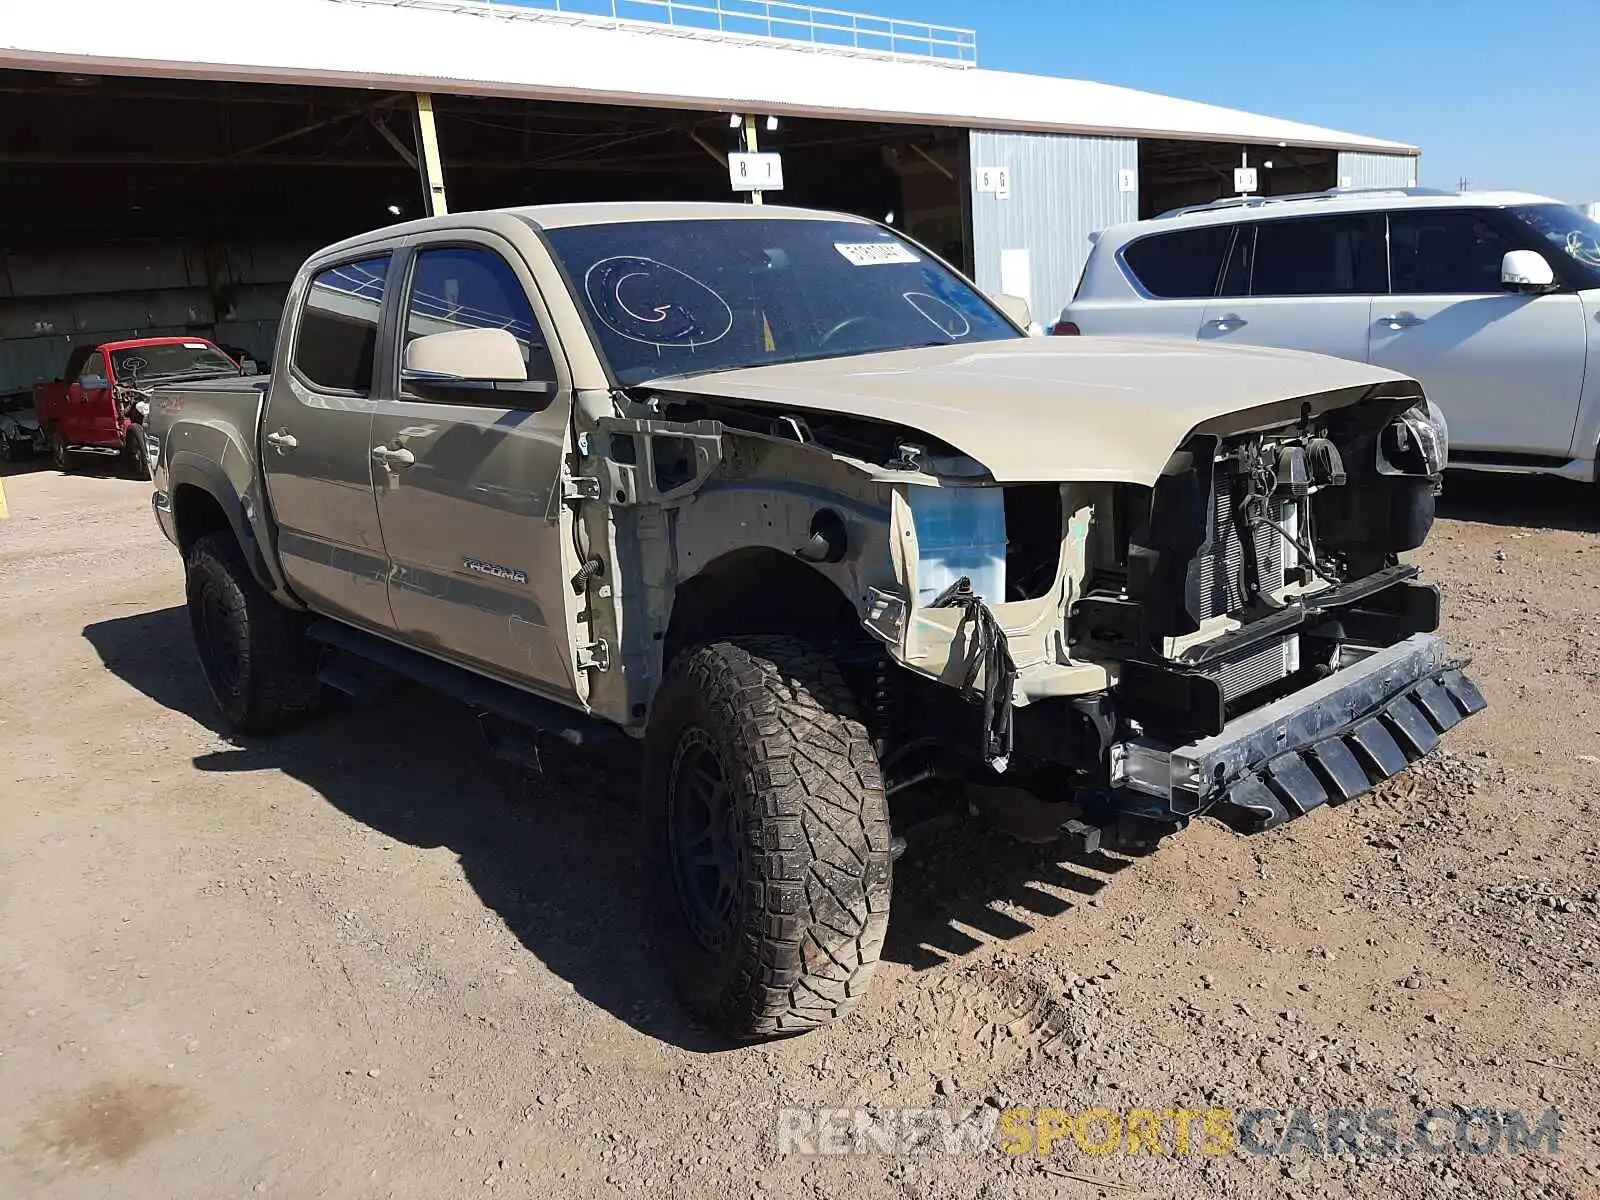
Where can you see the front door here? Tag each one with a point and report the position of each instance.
(1300, 284)
(1507, 369)
(469, 480)
(315, 442)
(88, 392)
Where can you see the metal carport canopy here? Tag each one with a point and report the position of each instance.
(477, 49)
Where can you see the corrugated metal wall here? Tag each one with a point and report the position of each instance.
(1377, 170)
(1062, 189)
(52, 301)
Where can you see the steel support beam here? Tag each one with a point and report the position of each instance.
(432, 162)
(751, 147)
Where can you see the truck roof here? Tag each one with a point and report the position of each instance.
(563, 216)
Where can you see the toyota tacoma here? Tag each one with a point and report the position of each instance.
(784, 497)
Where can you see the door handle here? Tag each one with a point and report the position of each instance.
(282, 441)
(1227, 323)
(1402, 321)
(394, 457)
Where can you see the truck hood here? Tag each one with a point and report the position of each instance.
(1057, 409)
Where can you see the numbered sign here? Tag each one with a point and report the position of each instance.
(992, 181)
(756, 172)
(1244, 179)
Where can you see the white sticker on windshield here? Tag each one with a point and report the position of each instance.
(195, 346)
(875, 254)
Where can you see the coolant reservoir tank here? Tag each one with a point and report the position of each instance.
(960, 531)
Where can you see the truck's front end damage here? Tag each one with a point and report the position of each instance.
(1237, 637)
(1265, 649)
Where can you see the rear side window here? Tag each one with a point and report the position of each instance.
(468, 287)
(1445, 252)
(1182, 265)
(1323, 256)
(337, 338)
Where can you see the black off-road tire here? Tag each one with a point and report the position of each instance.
(257, 659)
(134, 459)
(59, 454)
(807, 822)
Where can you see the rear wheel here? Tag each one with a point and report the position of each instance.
(768, 836)
(260, 665)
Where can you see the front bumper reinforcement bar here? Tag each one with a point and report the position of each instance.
(1332, 740)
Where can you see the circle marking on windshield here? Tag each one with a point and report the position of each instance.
(655, 304)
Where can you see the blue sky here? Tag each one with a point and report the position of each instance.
(1503, 94)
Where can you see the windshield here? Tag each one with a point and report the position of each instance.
(1568, 231)
(168, 360)
(685, 297)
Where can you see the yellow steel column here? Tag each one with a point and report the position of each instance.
(432, 162)
(751, 147)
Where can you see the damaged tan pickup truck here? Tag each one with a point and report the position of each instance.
(784, 496)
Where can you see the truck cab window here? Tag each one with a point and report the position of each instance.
(466, 287)
(93, 365)
(338, 332)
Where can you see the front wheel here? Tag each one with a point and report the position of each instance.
(768, 836)
(58, 451)
(135, 461)
(261, 666)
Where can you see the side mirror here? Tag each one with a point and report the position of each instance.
(1014, 307)
(92, 383)
(1526, 271)
(465, 358)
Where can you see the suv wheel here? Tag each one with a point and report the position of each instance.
(260, 665)
(58, 451)
(768, 836)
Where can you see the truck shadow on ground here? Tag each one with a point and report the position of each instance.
(1523, 501)
(556, 857)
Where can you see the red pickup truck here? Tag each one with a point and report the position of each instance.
(99, 404)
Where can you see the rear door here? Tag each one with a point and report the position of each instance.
(314, 447)
(468, 480)
(1300, 283)
(1506, 368)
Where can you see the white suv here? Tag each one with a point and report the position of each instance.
(1491, 299)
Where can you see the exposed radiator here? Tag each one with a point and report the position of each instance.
(1257, 668)
(1222, 582)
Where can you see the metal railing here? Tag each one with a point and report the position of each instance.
(802, 26)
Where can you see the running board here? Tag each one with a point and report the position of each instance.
(477, 692)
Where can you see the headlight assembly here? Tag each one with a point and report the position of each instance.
(1417, 442)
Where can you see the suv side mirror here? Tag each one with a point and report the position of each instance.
(1014, 307)
(1526, 271)
(465, 358)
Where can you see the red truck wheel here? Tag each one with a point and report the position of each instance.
(58, 451)
(133, 453)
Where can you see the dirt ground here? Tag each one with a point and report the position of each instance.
(365, 961)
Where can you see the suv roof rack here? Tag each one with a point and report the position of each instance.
(1329, 194)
